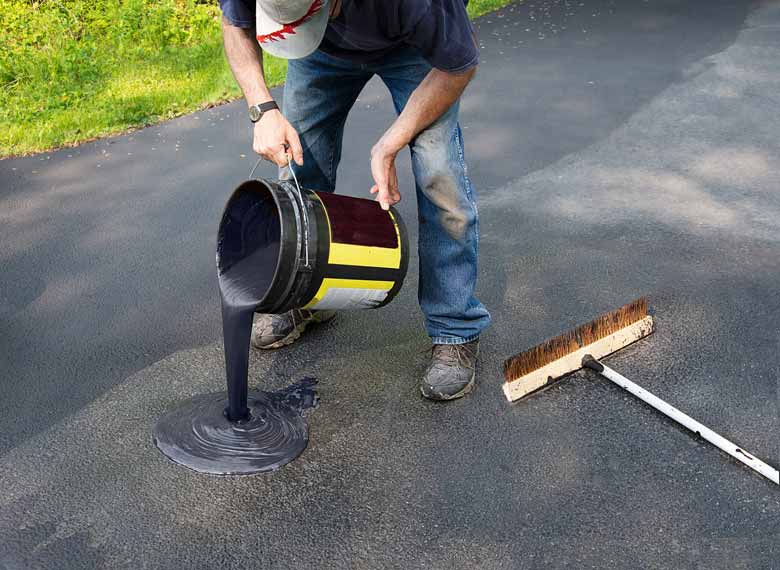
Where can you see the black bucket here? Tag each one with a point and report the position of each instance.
(309, 250)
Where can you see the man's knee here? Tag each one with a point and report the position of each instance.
(456, 214)
(441, 177)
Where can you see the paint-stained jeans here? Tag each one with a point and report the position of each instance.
(319, 92)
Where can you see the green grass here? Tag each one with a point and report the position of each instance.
(74, 70)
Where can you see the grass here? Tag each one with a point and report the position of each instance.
(75, 70)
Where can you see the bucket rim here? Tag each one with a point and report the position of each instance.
(255, 184)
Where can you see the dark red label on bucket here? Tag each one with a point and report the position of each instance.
(358, 221)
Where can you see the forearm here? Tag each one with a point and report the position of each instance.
(432, 98)
(246, 61)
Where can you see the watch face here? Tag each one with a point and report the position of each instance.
(254, 113)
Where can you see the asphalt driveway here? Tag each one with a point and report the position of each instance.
(618, 149)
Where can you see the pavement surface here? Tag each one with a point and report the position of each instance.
(619, 148)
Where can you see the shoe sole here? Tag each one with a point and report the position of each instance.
(293, 335)
(444, 398)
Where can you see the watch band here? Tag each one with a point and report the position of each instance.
(256, 111)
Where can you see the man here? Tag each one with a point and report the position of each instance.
(425, 52)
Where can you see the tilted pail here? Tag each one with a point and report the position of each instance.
(279, 249)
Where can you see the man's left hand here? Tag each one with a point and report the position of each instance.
(385, 177)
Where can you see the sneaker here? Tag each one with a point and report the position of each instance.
(451, 372)
(276, 331)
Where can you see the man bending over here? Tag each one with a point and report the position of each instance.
(425, 53)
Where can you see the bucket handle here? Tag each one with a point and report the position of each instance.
(305, 214)
(301, 204)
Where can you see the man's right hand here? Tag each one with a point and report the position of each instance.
(273, 135)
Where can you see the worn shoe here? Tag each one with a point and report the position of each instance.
(451, 372)
(276, 331)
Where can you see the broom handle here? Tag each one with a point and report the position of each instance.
(721, 442)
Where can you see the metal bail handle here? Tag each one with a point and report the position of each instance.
(305, 215)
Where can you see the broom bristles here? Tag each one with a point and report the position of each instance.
(571, 341)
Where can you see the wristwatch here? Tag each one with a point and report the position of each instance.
(256, 111)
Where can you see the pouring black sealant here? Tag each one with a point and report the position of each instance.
(258, 431)
(359, 259)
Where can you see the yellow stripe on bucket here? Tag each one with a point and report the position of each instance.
(349, 294)
(364, 256)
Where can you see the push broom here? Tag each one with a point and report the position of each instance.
(582, 347)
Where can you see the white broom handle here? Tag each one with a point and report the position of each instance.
(721, 442)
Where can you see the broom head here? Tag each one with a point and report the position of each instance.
(543, 364)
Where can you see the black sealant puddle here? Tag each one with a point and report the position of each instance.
(199, 435)
(240, 432)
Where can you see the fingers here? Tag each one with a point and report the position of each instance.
(274, 137)
(381, 196)
(386, 197)
(392, 199)
(383, 203)
(385, 177)
(279, 156)
(395, 197)
(295, 145)
(272, 153)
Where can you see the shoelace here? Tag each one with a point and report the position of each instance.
(453, 354)
(300, 315)
(296, 316)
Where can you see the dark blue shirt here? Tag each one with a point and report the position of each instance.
(366, 30)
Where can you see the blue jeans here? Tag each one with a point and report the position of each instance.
(319, 92)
